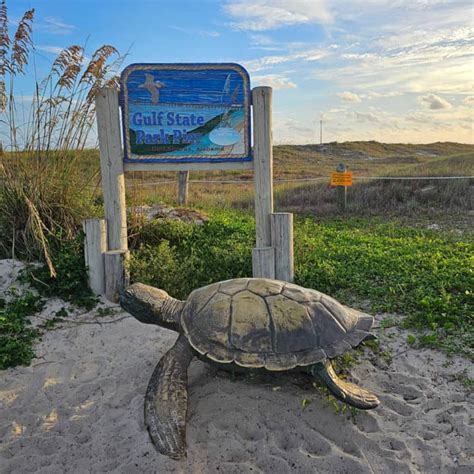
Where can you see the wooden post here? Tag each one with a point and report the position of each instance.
(263, 262)
(263, 175)
(95, 244)
(282, 241)
(111, 165)
(183, 185)
(117, 273)
(342, 168)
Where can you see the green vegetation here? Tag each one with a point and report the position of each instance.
(410, 271)
(463, 378)
(70, 282)
(16, 334)
(180, 257)
(44, 191)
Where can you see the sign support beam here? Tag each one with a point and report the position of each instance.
(113, 185)
(263, 163)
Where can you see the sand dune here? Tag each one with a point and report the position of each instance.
(79, 408)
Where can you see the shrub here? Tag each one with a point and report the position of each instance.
(180, 257)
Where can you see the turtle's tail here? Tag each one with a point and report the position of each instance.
(347, 392)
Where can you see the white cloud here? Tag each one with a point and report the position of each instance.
(365, 117)
(49, 49)
(267, 62)
(275, 81)
(260, 15)
(55, 26)
(444, 68)
(434, 102)
(194, 31)
(349, 97)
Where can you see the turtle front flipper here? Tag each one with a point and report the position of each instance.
(347, 392)
(166, 400)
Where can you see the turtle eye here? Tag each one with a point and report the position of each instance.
(127, 293)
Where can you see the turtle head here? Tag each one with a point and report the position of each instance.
(151, 305)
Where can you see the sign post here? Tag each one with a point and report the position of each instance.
(182, 117)
(263, 178)
(342, 179)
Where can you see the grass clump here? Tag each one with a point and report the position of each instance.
(16, 334)
(44, 191)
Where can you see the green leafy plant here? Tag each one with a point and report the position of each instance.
(70, 283)
(16, 334)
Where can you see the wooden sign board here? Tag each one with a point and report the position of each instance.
(186, 114)
(341, 179)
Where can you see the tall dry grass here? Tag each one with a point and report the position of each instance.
(43, 196)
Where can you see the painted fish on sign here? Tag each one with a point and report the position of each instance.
(185, 113)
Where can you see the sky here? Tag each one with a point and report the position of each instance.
(385, 70)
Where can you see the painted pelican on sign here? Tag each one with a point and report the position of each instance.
(153, 87)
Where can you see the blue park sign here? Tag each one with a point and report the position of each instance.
(183, 113)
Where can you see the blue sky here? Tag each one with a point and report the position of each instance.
(387, 70)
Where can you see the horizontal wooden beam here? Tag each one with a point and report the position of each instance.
(232, 165)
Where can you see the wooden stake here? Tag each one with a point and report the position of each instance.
(263, 262)
(111, 165)
(95, 244)
(342, 168)
(117, 275)
(263, 177)
(282, 241)
(183, 185)
(263, 162)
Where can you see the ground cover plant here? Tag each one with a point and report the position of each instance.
(417, 273)
(16, 334)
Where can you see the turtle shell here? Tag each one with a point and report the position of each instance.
(256, 322)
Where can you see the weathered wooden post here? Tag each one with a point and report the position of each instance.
(117, 273)
(113, 183)
(95, 245)
(183, 186)
(342, 168)
(263, 262)
(263, 176)
(282, 242)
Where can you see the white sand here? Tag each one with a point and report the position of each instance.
(79, 408)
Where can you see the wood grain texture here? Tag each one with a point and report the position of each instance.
(183, 186)
(263, 262)
(95, 245)
(282, 241)
(116, 273)
(263, 163)
(111, 166)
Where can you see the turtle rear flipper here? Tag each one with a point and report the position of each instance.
(166, 401)
(347, 392)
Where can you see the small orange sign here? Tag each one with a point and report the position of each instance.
(341, 179)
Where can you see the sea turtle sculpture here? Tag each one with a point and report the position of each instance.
(253, 323)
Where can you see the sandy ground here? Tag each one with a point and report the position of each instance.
(79, 408)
